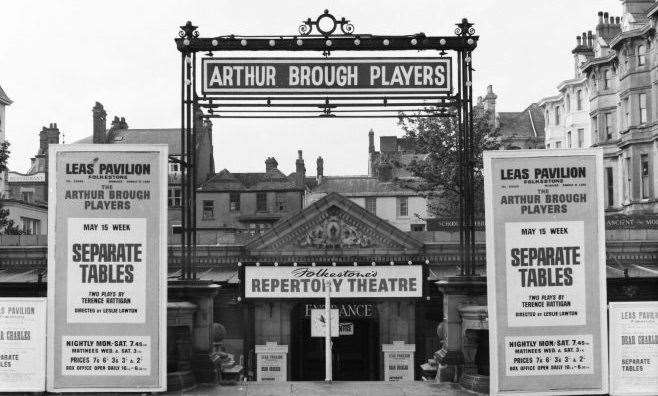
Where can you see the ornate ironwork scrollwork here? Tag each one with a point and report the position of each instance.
(188, 31)
(464, 28)
(326, 24)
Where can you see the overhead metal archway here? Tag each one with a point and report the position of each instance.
(325, 34)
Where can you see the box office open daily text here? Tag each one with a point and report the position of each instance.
(106, 248)
(546, 271)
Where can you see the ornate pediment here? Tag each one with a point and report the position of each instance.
(335, 232)
(333, 223)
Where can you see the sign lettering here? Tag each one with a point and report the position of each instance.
(305, 282)
(325, 75)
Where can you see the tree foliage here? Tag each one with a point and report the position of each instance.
(7, 225)
(438, 138)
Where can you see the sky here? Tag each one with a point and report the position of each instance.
(58, 57)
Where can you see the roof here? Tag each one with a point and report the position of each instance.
(527, 123)
(273, 180)
(168, 136)
(351, 186)
(4, 99)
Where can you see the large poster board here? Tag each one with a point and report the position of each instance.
(22, 344)
(546, 271)
(395, 281)
(633, 348)
(107, 247)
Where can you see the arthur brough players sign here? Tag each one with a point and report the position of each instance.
(107, 263)
(325, 75)
(546, 271)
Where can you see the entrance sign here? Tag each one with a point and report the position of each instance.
(272, 362)
(308, 282)
(398, 361)
(319, 323)
(107, 267)
(633, 348)
(22, 344)
(325, 75)
(546, 271)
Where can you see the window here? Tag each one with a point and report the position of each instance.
(643, 108)
(610, 187)
(28, 196)
(608, 126)
(174, 197)
(258, 228)
(31, 226)
(569, 139)
(280, 202)
(627, 181)
(174, 167)
(607, 79)
(595, 126)
(261, 202)
(594, 83)
(234, 202)
(548, 146)
(644, 162)
(627, 113)
(371, 204)
(557, 115)
(641, 55)
(558, 145)
(403, 206)
(418, 227)
(581, 136)
(579, 100)
(547, 116)
(208, 210)
(567, 103)
(176, 229)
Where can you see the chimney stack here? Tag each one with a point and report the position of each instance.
(606, 21)
(300, 169)
(600, 17)
(100, 126)
(271, 164)
(320, 169)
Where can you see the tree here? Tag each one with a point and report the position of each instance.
(7, 225)
(438, 138)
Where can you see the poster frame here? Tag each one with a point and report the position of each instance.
(163, 152)
(43, 301)
(488, 156)
(614, 305)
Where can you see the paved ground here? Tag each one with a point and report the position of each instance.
(366, 388)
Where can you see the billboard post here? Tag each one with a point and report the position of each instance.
(546, 276)
(106, 248)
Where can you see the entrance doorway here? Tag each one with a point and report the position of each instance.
(355, 353)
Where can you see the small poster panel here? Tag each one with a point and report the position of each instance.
(107, 268)
(546, 271)
(22, 344)
(272, 362)
(633, 348)
(398, 361)
(319, 323)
